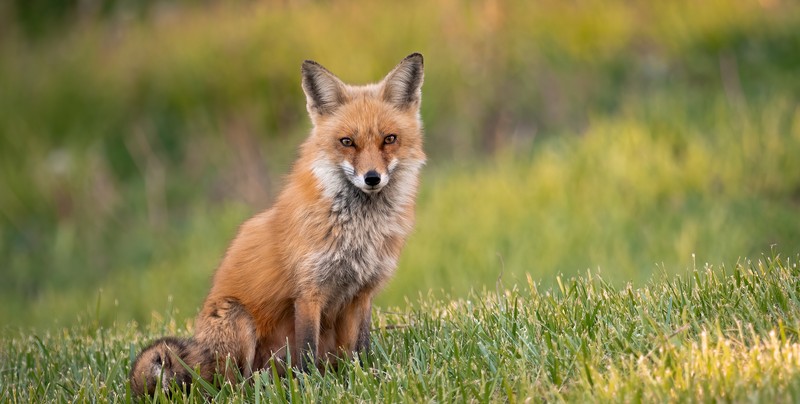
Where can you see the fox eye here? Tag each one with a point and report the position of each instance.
(390, 139)
(346, 141)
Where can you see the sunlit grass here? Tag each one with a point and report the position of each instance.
(727, 333)
(715, 367)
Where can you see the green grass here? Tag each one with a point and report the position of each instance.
(727, 333)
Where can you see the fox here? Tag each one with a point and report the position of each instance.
(297, 282)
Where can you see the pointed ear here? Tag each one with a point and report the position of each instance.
(403, 85)
(324, 91)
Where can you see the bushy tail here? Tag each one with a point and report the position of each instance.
(159, 364)
(224, 342)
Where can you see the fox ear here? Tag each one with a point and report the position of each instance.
(324, 91)
(403, 85)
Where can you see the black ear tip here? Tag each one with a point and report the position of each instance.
(415, 57)
(309, 65)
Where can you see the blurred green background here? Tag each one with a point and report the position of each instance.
(621, 137)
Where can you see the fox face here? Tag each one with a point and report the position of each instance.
(364, 136)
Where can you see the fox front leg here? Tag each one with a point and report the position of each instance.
(353, 326)
(365, 312)
(307, 314)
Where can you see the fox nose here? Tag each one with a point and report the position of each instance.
(372, 178)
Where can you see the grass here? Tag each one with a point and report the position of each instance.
(719, 333)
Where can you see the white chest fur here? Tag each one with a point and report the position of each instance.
(361, 228)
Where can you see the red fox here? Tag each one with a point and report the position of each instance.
(299, 278)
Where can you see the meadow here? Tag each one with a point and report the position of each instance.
(717, 333)
(587, 161)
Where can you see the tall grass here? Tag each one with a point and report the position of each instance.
(727, 332)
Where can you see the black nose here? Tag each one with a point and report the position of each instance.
(372, 178)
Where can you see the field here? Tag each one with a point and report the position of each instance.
(593, 156)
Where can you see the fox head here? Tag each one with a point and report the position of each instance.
(364, 136)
